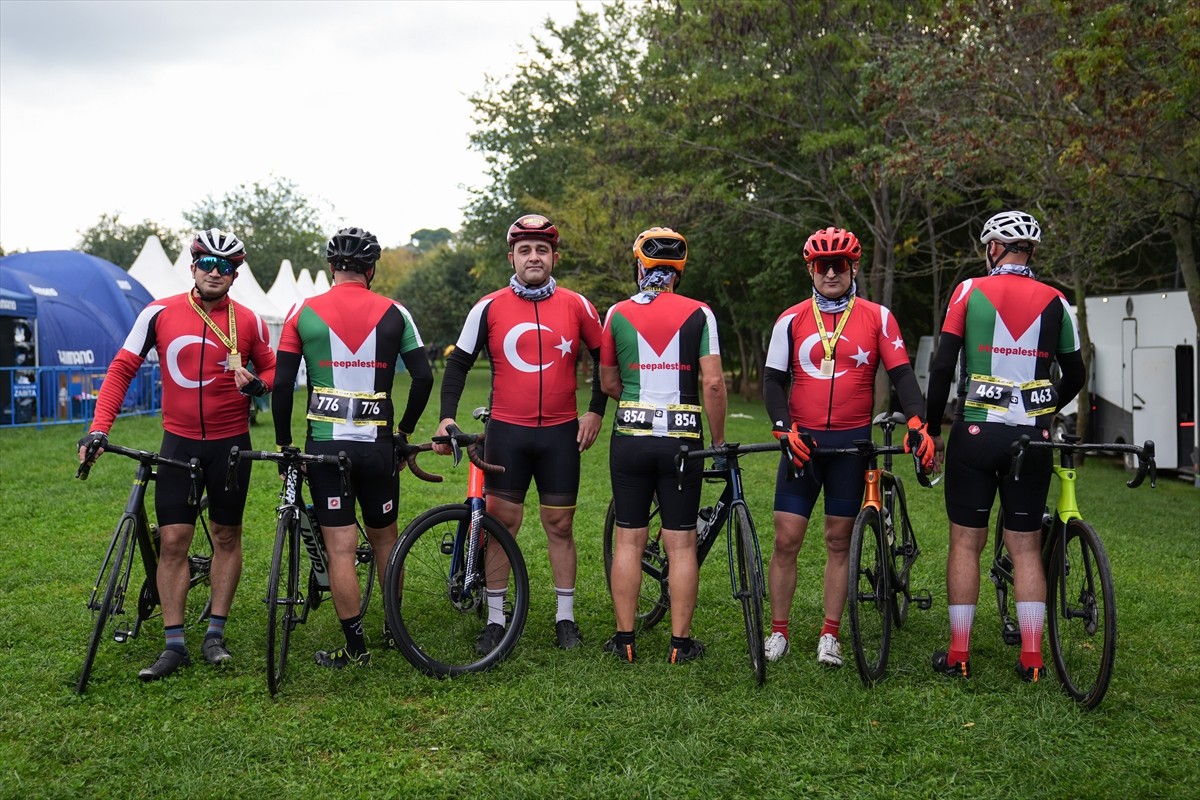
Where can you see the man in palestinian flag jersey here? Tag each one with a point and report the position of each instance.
(661, 360)
(534, 333)
(819, 382)
(352, 340)
(1010, 329)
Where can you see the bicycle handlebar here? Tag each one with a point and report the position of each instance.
(471, 443)
(195, 473)
(866, 448)
(1071, 444)
(724, 450)
(288, 457)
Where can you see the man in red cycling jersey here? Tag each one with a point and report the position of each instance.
(820, 380)
(204, 341)
(1011, 328)
(534, 332)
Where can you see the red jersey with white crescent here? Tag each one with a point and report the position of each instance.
(200, 399)
(533, 347)
(843, 399)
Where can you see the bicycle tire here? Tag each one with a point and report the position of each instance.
(902, 548)
(364, 565)
(869, 596)
(654, 596)
(114, 575)
(435, 631)
(282, 605)
(1002, 579)
(1083, 643)
(750, 589)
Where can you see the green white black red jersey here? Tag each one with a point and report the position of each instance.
(351, 339)
(1012, 328)
(657, 348)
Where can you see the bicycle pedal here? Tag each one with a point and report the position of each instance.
(923, 599)
(120, 637)
(1010, 632)
(447, 546)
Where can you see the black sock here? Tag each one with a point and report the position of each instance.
(623, 637)
(353, 629)
(680, 641)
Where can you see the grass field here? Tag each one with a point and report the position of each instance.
(579, 724)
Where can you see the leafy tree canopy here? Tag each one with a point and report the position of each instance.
(119, 243)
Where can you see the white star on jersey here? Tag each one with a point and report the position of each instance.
(564, 346)
(897, 343)
(862, 357)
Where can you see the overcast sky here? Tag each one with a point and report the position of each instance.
(146, 108)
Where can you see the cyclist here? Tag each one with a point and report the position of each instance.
(660, 358)
(1010, 328)
(534, 332)
(819, 379)
(351, 340)
(205, 342)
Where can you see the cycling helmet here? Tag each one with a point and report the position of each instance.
(533, 226)
(1009, 227)
(832, 243)
(661, 247)
(353, 249)
(215, 242)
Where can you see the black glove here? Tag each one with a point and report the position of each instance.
(400, 449)
(255, 388)
(94, 441)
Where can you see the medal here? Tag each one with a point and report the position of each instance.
(235, 362)
(827, 367)
(829, 339)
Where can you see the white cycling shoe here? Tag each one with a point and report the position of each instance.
(776, 646)
(829, 651)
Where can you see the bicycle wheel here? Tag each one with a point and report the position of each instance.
(432, 607)
(902, 548)
(1082, 614)
(114, 578)
(869, 596)
(200, 563)
(750, 589)
(654, 598)
(283, 599)
(1002, 578)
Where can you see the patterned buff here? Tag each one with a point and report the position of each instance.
(1012, 269)
(656, 280)
(835, 306)
(533, 293)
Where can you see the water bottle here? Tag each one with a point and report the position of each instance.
(314, 543)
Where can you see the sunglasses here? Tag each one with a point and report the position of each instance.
(223, 266)
(839, 265)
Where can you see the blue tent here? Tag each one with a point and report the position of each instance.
(83, 306)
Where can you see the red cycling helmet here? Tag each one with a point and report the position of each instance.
(216, 242)
(533, 226)
(832, 243)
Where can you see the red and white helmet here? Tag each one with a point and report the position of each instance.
(533, 226)
(1009, 227)
(215, 242)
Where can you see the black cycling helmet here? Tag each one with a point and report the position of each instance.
(215, 242)
(533, 226)
(353, 249)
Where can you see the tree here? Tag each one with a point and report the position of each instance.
(440, 290)
(274, 220)
(119, 243)
(426, 240)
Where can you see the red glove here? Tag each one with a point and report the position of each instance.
(925, 449)
(797, 450)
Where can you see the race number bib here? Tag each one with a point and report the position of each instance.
(635, 419)
(683, 421)
(994, 394)
(679, 421)
(349, 408)
(1040, 398)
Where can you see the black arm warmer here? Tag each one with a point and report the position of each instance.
(1073, 376)
(454, 380)
(908, 390)
(287, 365)
(599, 401)
(417, 363)
(775, 388)
(941, 375)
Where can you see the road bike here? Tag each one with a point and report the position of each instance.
(439, 571)
(745, 559)
(296, 527)
(135, 531)
(1081, 608)
(883, 549)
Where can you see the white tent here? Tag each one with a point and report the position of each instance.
(283, 292)
(305, 285)
(183, 266)
(246, 291)
(154, 270)
(321, 282)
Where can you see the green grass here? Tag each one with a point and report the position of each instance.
(554, 724)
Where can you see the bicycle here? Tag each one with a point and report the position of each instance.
(883, 549)
(107, 599)
(745, 558)
(296, 526)
(1081, 602)
(439, 570)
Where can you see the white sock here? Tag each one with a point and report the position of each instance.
(566, 604)
(495, 601)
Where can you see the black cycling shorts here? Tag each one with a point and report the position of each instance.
(549, 456)
(841, 476)
(643, 467)
(979, 462)
(374, 484)
(225, 507)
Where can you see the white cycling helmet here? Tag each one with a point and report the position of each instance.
(215, 242)
(1011, 226)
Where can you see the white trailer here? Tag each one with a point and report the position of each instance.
(1144, 373)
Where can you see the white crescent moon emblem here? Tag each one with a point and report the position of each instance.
(806, 362)
(510, 346)
(173, 351)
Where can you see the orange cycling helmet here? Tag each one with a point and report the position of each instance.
(832, 243)
(533, 226)
(661, 247)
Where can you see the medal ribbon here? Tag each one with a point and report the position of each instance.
(229, 341)
(829, 342)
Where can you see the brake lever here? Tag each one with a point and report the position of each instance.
(231, 470)
(196, 475)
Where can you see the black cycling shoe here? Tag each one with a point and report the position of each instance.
(690, 650)
(1030, 674)
(568, 634)
(625, 652)
(215, 651)
(167, 662)
(341, 658)
(489, 638)
(942, 666)
(389, 640)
